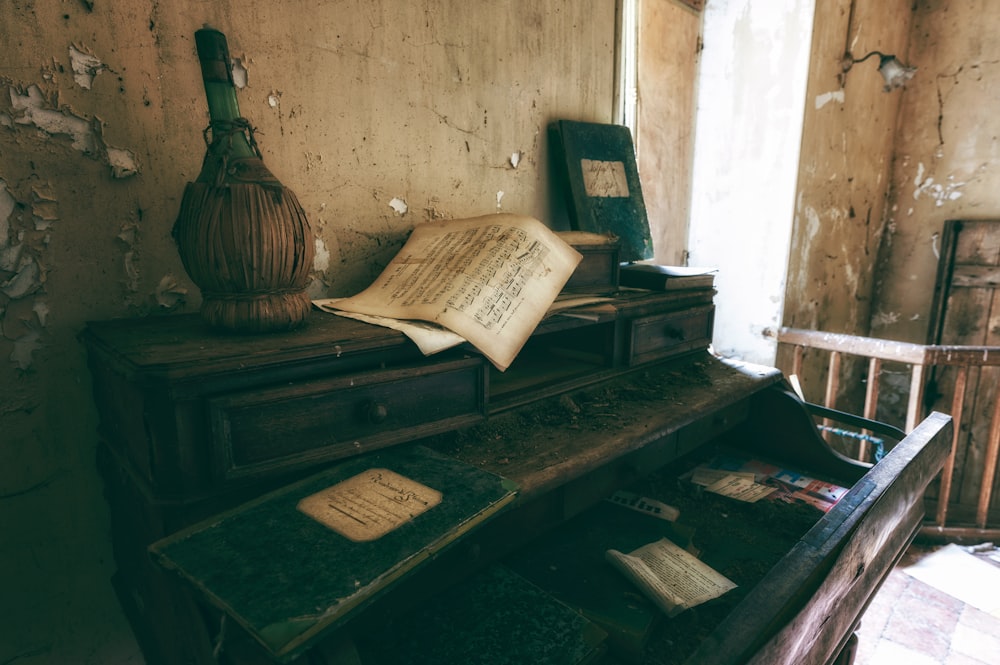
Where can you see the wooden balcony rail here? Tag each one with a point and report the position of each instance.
(920, 357)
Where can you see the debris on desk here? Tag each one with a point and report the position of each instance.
(750, 480)
(645, 505)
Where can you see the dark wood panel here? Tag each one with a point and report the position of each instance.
(585, 423)
(266, 431)
(966, 311)
(804, 609)
(976, 276)
(977, 242)
(662, 335)
(552, 441)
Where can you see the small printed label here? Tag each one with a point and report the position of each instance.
(644, 505)
(369, 505)
(705, 476)
(740, 488)
(604, 179)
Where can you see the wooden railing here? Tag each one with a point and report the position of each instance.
(921, 358)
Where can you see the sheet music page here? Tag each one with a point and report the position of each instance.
(488, 279)
(429, 338)
(370, 504)
(671, 576)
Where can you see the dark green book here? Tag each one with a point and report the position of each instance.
(294, 563)
(595, 166)
(495, 617)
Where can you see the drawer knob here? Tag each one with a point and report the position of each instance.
(377, 412)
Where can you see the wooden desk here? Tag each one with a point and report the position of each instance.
(195, 422)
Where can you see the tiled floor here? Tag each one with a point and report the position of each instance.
(912, 623)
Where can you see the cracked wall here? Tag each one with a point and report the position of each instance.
(848, 137)
(881, 172)
(946, 164)
(844, 168)
(378, 114)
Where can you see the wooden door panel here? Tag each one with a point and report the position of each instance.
(966, 311)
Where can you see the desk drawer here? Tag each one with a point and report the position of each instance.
(279, 429)
(664, 335)
(710, 427)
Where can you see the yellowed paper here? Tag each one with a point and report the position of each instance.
(740, 488)
(428, 337)
(580, 238)
(488, 279)
(670, 576)
(604, 179)
(369, 505)
(706, 476)
(431, 338)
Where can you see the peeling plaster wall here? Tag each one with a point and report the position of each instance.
(843, 176)
(881, 172)
(947, 162)
(846, 156)
(378, 114)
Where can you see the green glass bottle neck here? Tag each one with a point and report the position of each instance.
(228, 128)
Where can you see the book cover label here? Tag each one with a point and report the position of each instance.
(604, 178)
(369, 505)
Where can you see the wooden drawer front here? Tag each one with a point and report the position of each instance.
(704, 430)
(294, 426)
(663, 335)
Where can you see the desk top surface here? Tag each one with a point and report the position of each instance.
(542, 445)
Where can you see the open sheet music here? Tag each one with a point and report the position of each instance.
(488, 279)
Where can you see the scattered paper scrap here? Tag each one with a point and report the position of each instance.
(670, 576)
(706, 477)
(740, 488)
(645, 505)
(787, 485)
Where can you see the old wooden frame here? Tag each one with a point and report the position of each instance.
(920, 357)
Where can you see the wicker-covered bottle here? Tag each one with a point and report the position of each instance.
(243, 237)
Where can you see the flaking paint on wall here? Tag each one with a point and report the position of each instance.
(85, 66)
(398, 205)
(9, 249)
(32, 108)
(128, 236)
(939, 192)
(169, 293)
(374, 96)
(24, 239)
(827, 97)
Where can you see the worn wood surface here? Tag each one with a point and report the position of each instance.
(308, 422)
(966, 311)
(286, 577)
(196, 411)
(567, 448)
(183, 347)
(802, 612)
(563, 438)
(177, 400)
